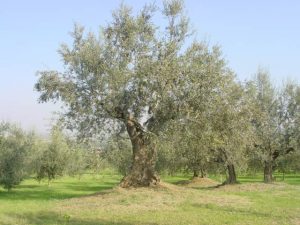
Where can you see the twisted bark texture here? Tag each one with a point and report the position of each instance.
(142, 172)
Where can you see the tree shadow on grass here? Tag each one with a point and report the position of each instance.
(229, 209)
(293, 179)
(38, 192)
(206, 188)
(86, 187)
(49, 218)
(251, 179)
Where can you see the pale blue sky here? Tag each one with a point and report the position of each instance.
(252, 33)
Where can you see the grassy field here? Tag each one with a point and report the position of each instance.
(97, 200)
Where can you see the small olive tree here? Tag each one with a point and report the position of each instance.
(117, 151)
(52, 159)
(15, 148)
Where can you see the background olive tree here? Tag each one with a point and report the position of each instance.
(15, 149)
(276, 112)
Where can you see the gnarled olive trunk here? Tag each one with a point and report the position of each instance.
(268, 172)
(231, 175)
(142, 172)
(196, 173)
(199, 173)
(203, 173)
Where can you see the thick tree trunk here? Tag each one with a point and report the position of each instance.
(231, 175)
(203, 173)
(142, 172)
(199, 173)
(268, 172)
(196, 173)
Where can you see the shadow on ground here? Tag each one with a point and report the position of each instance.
(227, 209)
(71, 190)
(50, 218)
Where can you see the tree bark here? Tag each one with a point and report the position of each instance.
(196, 173)
(231, 175)
(203, 173)
(142, 172)
(268, 172)
(199, 172)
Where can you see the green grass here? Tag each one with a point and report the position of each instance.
(94, 200)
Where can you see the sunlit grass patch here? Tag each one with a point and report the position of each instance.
(94, 200)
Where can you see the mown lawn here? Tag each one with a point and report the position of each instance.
(97, 200)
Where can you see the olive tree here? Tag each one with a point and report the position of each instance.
(191, 134)
(196, 152)
(289, 131)
(117, 151)
(187, 147)
(52, 158)
(276, 116)
(232, 129)
(15, 148)
(133, 74)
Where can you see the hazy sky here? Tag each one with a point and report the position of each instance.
(252, 33)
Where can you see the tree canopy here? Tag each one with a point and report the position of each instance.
(137, 75)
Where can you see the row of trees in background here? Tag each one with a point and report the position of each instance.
(24, 154)
(256, 126)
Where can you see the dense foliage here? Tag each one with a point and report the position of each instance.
(15, 147)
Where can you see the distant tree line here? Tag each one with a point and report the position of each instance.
(24, 154)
